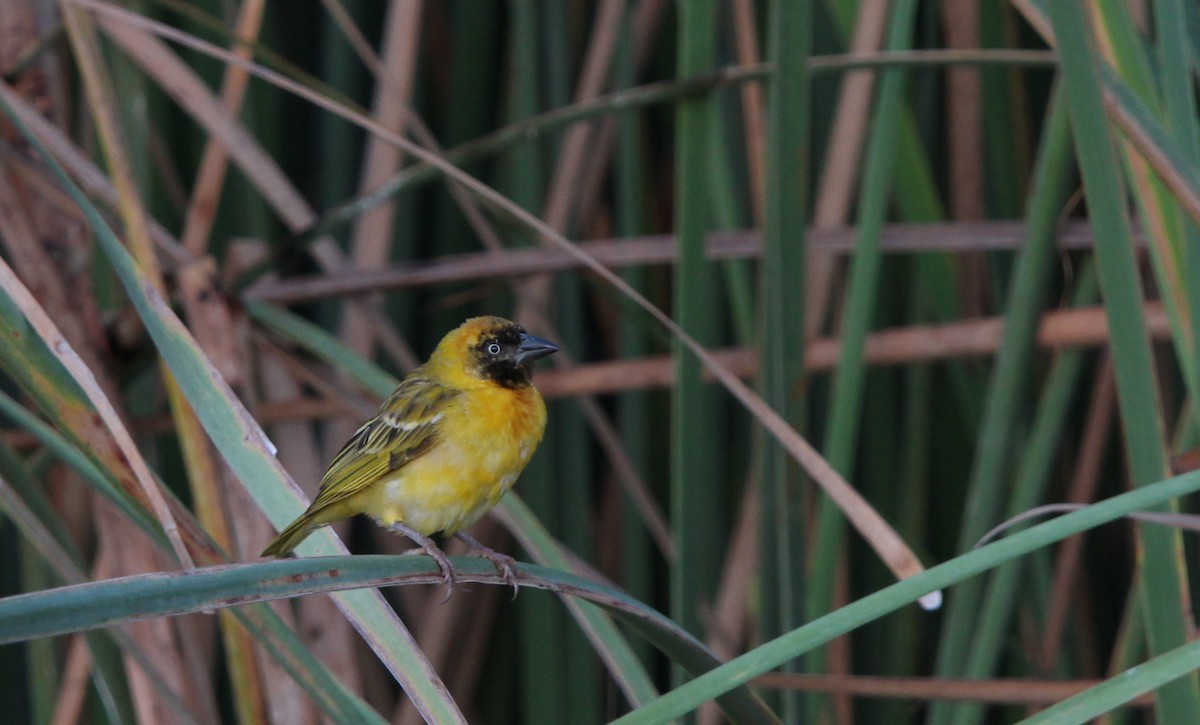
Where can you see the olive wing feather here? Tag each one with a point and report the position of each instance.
(406, 427)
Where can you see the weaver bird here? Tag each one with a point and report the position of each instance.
(443, 449)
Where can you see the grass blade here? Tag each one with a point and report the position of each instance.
(1167, 622)
(771, 654)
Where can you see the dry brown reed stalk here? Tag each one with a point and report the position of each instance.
(964, 108)
(180, 82)
(836, 185)
(1082, 327)
(726, 623)
(753, 113)
(76, 679)
(85, 173)
(1086, 477)
(210, 179)
(371, 245)
(957, 237)
(101, 101)
(647, 18)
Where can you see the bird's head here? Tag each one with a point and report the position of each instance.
(490, 349)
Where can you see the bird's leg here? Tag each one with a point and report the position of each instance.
(432, 550)
(505, 564)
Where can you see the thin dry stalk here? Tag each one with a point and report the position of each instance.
(200, 461)
(964, 108)
(73, 688)
(595, 173)
(333, 398)
(745, 28)
(86, 174)
(182, 84)
(1141, 147)
(1082, 327)
(533, 295)
(211, 480)
(372, 244)
(835, 189)
(627, 474)
(1092, 451)
(655, 249)
(578, 159)
(839, 660)
(201, 464)
(417, 127)
(354, 36)
(577, 147)
(210, 178)
(102, 103)
(726, 624)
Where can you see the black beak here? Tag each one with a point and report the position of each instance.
(533, 348)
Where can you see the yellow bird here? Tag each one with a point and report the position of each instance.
(443, 449)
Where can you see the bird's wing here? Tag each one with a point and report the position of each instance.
(406, 427)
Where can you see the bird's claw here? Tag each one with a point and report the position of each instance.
(449, 573)
(505, 565)
(431, 549)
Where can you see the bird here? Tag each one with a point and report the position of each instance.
(445, 446)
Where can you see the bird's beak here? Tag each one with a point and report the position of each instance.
(533, 348)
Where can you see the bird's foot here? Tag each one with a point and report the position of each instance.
(431, 549)
(505, 564)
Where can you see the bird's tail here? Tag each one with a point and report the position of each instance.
(291, 537)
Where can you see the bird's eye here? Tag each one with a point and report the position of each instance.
(493, 348)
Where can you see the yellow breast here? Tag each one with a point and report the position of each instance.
(484, 441)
